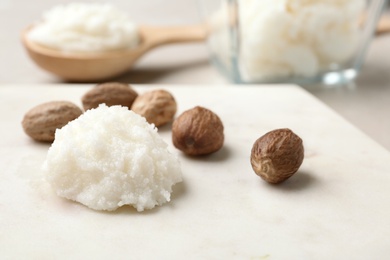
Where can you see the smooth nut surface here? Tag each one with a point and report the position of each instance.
(110, 93)
(41, 122)
(277, 155)
(157, 106)
(198, 131)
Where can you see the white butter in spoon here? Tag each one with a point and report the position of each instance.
(85, 27)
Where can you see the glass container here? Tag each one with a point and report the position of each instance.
(290, 41)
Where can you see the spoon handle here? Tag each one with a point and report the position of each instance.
(155, 36)
(383, 25)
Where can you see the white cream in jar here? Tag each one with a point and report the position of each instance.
(85, 27)
(291, 38)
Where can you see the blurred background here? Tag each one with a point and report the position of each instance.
(364, 102)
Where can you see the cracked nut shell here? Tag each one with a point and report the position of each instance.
(277, 155)
(198, 131)
(110, 93)
(41, 122)
(157, 106)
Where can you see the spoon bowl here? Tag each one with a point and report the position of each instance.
(89, 67)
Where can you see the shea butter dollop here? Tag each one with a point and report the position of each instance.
(110, 157)
(85, 27)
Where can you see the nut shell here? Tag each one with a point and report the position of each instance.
(198, 131)
(110, 93)
(157, 106)
(277, 155)
(41, 122)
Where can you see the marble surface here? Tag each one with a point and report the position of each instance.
(365, 102)
(336, 207)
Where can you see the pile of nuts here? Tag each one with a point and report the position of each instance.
(197, 131)
(275, 156)
(157, 106)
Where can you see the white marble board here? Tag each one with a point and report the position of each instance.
(336, 207)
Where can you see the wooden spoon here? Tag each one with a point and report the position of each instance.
(89, 67)
(383, 25)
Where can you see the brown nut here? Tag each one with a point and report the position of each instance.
(157, 106)
(198, 131)
(41, 122)
(110, 93)
(277, 155)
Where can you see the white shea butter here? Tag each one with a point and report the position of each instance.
(291, 38)
(110, 157)
(85, 27)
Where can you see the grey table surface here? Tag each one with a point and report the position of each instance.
(365, 102)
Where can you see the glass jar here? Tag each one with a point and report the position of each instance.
(290, 41)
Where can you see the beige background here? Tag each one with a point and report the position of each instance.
(365, 103)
